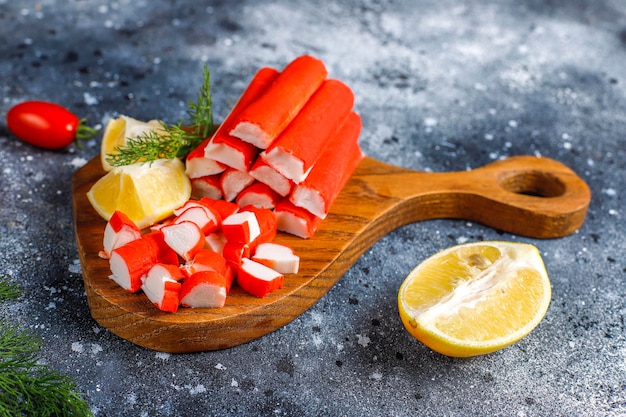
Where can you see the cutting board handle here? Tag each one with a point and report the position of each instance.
(525, 195)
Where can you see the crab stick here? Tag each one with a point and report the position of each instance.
(262, 121)
(259, 195)
(185, 238)
(242, 227)
(206, 218)
(268, 225)
(208, 186)
(205, 289)
(162, 288)
(264, 173)
(198, 165)
(302, 143)
(228, 149)
(223, 207)
(329, 175)
(258, 279)
(233, 182)
(279, 257)
(119, 230)
(130, 263)
(296, 220)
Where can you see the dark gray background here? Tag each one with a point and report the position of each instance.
(441, 86)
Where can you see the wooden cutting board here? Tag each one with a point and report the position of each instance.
(525, 195)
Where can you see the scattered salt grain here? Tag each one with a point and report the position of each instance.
(163, 356)
(363, 340)
(78, 347)
(90, 99)
(220, 367)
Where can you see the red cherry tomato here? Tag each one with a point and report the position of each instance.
(47, 125)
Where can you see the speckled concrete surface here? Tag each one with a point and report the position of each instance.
(442, 86)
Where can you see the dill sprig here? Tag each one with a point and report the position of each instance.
(174, 140)
(27, 386)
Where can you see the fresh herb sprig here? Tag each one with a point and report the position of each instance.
(27, 386)
(174, 140)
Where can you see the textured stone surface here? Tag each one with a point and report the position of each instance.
(441, 86)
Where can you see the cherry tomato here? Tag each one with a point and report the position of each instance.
(47, 125)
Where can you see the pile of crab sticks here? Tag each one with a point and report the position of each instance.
(290, 144)
(276, 163)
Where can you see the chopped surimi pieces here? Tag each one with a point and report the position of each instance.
(296, 220)
(318, 192)
(233, 181)
(258, 279)
(206, 218)
(130, 263)
(278, 257)
(120, 229)
(258, 195)
(205, 289)
(197, 165)
(302, 143)
(263, 120)
(185, 238)
(264, 173)
(208, 186)
(215, 241)
(228, 149)
(242, 226)
(162, 288)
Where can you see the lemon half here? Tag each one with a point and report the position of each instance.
(475, 298)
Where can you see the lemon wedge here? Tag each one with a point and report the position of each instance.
(146, 192)
(475, 298)
(118, 131)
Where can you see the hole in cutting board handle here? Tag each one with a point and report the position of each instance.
(534, 183)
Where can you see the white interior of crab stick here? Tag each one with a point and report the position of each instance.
(205, 295)
(311, 200)
(251, 133)
(154, 284)
(290, 166)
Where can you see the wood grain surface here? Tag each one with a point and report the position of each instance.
(524, 195)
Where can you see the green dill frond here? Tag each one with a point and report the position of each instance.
(29, 387)
(171, 141)
(200, 113)
(8, 289)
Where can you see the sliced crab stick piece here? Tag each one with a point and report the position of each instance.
(318, 192)
(206, 218)
(296, 220)
(160, 251)
(268, 225)
(235, 252)
(233, 182)
(215, 241)
(223, 207)
(204, 289)
(258, 279)
(185, 238)
(231, 150)
(278, 257)
(263, 172)
(242, 227)
(259, 195)
(198, 165)
(206, 260)
(301, 145)
(262, 121)
(130, 263)
(208, 186)
(119, 230)
(162, 288)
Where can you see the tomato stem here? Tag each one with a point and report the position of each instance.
(84, 132)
